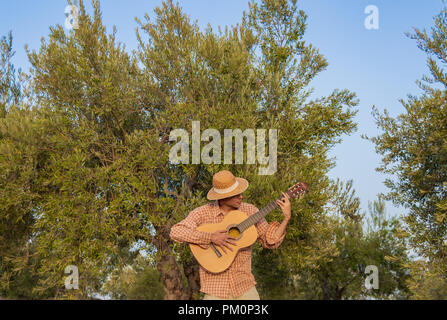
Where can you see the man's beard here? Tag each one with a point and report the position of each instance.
(236, 206)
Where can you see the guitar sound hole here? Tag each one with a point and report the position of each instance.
(234, 232)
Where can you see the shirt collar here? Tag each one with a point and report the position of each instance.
(216, 208)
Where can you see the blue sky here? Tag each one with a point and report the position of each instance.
(380, 66)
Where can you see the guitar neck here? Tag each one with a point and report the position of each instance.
(251, 220)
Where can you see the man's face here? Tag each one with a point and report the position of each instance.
(234, 201)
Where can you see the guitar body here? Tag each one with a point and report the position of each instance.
(208, 258)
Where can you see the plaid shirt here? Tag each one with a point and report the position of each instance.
(238, 277)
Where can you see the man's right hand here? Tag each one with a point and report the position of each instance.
(222, 239)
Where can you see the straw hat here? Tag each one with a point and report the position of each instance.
(226, 185)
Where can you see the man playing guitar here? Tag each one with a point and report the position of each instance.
(237, 281)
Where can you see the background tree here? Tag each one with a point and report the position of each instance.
(69, 156)
(352, 243)
(17, 263)
(138, 281)
(414, 150)
(89, 156)
(10, 91)
(220, 81)
(309, 129)
(388, 251)
(426, 281)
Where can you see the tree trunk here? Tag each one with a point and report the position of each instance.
(191, 270)
(339, 293)
(170, 272)
(326, 295)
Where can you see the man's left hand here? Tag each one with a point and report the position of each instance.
(284, 203)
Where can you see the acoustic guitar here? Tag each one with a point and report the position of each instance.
(239, 226)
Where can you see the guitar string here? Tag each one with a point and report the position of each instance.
(244, 225)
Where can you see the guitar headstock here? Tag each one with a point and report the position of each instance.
(297, 190)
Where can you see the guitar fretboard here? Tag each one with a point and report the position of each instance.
(254, 218)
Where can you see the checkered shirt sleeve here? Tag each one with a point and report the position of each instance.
(185, 230)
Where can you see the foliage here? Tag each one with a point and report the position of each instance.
(220, 81)
(427, 281)
(413, 146)
(10, 89)
(139, 281)
(339, 272)
(86, 160)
